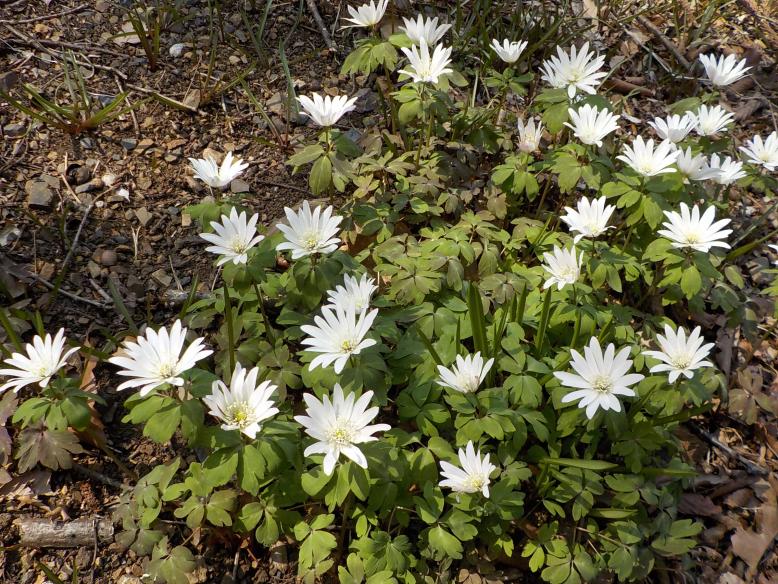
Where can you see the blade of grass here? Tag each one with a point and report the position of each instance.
(430, 348)
(121, 308)
(477, 319)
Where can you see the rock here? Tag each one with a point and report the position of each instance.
(177, 50)
(161, 278)
(143, 215)
(39, 194)
(94, 269)
(8, 80)
(127, 579)
(145, 144)
(214, 155)
(87, 143)
(13, 130)
(177, 143)
(108, 179)
(92, 185)
(193, 184)
(108, 257)
(82, 175)
(129, 143)
(239, 186)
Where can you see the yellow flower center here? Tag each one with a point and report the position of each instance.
(476, 483)
(602, 383)
(348, 346)
(167, 370)
(310, 240)
(342, 435)
(240, 414)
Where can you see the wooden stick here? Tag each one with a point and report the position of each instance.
(320, 23)
(46, 16)
(35, 532)
(669, 45)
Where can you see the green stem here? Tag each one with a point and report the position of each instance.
(577, 326)
(423, 98)
(544, 315)
(230, 326)
(261, 302)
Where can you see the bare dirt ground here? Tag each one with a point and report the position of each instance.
(62, 197)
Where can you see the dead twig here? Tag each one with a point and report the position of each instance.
(751, 467)
(320, 23)
(46, 16)
(135, 124)
(100, 477)
(306, 192)
(64, 292)
(669, 45)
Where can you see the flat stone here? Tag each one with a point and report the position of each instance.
(145, 144)
(213, 154)
(143, 215)
(239, 186)
(39, 194)
(161, 277)
(92, 185)
(129, 143)
(82, 175)
(13, 130)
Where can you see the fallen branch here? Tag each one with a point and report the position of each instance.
(35, 532)
(46, 16)
(669, 45)
(751, 467)
(320, 23)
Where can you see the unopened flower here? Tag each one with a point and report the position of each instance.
(216, 176)
(680, 355)
(724, 70)
(647, 161)
(338, 426)
(338, 334)
(425, 67)
(691, 167)
(689, 229)
(234, 236)
(763, 153)
(712, 120)
(353, 293)
(508, 51)
(427, 30)
(327, 110)
(368, 14)
(310, 232)
(244, 404)
(591, 125)
(590, 219)
(673, 128)
(466, 375)
(529, 135)
(578, 70)
(722, 170)
(563, 266)
(473, 477)
(156, 358)
(43, 359)
(600, 378)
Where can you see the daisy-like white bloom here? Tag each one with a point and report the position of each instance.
(309, 233)
(578, 70)
(763, 153)
(680, 355)
(367, 14)
(427, 30)
(466, 375)
(216, 176)
(673, 128)
(724, 70)
(338, 334)
(529, 135)
(563, 266)
(426, 68)
(689, 229)
(712, 120)
(327, 110)
(590, 219)
(44, 358)
(724, 171)
(590, 125)
(234, 236)
(338, 426)
(691, 167)
(645, 160)
(508, 51)
(244, 404)
(353, 293)
(601, 377)
(473, 477)
(156, 358)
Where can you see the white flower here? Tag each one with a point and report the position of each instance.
(216, 176)
(563, 266)
(591, 218)
(724, 171)
(337, 335)
(44, 358)
(591, 125)
(529, 135)
(309, 233)
(674, 128)
(763, 153)
(691, 167)
(424, 29)
(327, 110)
(712, 120)
(426, 68)
(773, 247)
(468, 373)
(600, 378)
(156, 358)
(724, 70)
(244, 404)
(338, 426)
(680, 355)
(233, 238)
(576, 71)
(509, 51)
(688, 229)
(646, 161)
(367, 14)
(472, 477)
(353, 293)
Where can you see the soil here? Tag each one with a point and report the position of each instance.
(115, 200)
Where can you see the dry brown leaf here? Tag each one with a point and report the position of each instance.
(696, 504)
(752, 544)
(30, 484)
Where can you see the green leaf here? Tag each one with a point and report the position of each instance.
(580, 463)
(321, 175)
(691, 282)
(444, 544)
